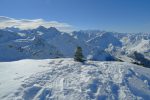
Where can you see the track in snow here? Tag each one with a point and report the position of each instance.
(69, 80)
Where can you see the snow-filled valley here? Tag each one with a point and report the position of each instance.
(65, 79)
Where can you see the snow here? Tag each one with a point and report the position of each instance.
(94, 43)
(143, 46)
(22, 34)
(14, 73)
(40, 33)
(65, 79)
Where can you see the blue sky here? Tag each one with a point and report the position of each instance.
(109, 15)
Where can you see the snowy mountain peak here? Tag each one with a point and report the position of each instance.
(94, 43)
(12, 29)
(41, 28)
(53, 30)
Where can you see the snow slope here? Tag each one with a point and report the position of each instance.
(12, 74)
(139, 42)
(64, 79)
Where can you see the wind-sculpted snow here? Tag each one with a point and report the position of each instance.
(92, 80)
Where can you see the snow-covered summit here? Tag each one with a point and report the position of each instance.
(64, 79)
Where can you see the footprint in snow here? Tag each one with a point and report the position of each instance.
(18, 78)
(42, 66)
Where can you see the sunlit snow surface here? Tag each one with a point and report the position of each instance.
(64, 79)
(13, 74)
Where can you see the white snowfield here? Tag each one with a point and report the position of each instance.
(65, 79)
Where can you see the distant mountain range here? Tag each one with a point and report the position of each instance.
(43, 43)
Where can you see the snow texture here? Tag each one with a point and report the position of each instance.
(65, 79)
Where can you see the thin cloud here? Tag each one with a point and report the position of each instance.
(31, 24)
